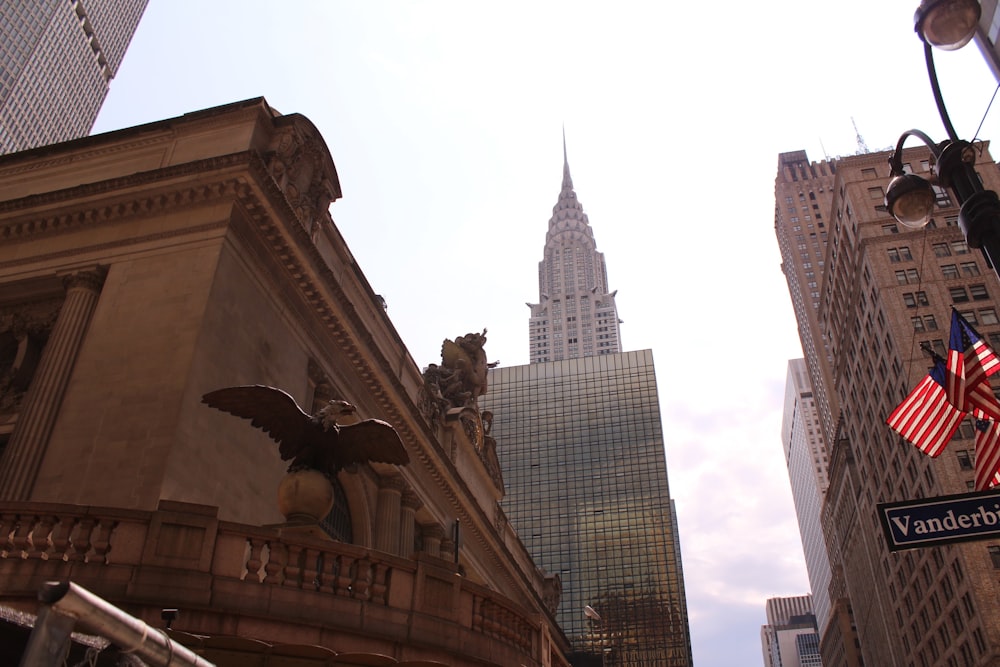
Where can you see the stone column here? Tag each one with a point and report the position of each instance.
(23, 455)
(387, 511)
(432, 535)
(408, 522)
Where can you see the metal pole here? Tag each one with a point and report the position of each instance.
(95, 615)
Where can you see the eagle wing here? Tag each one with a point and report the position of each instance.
(370, 440)
(271, 410)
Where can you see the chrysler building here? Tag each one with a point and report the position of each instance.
(575, 315)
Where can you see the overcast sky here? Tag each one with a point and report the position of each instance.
(445, 123)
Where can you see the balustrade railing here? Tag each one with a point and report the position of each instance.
(83, 542)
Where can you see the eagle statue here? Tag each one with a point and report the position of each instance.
(327, 442)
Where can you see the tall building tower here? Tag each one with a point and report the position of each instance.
(57, 59)
(576, 315)
(789, 639)
(580, 444)
(881, 293)
(806, 457)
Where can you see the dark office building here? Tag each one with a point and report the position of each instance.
(580, 443)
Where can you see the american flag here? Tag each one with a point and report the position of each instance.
(926, 417)
(970, 362)
(987, 453)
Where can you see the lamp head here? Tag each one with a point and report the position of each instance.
(910, 200)
(947, 24)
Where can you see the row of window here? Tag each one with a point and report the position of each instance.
(957, 295)
(985, 316)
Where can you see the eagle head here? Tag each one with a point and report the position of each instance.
(337, 413)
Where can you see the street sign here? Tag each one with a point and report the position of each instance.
(941, 520)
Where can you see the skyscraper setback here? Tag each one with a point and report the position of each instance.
(57, 59)
(576, 315)
(580, 443)
(868, 295)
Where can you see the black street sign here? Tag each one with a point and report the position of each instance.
(941, 520)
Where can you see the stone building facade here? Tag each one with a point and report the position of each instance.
(142, 268)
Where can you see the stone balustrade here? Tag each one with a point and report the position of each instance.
(239, 580)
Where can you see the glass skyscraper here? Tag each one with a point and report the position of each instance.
(57, 59)
(580, 443)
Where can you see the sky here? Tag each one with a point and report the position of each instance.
(445, 121)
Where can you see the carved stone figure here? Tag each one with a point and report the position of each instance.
(461, 378)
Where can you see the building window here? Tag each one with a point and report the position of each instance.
(908, 276)
(978, 292)
(988, 316)
(942, 197)
(930, 323)
(958, 295)
(970, 269)
(890, 229)
(994, 556)
(969, 315)
(964, 459)
(876, 193)
(949, 271)
(941, 250)
(918, 323)
(914, 299)
(960, 247)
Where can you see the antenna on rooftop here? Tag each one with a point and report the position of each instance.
(862, 146)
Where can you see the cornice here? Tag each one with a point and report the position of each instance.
(63, 159)
(131, 138)
(149, 205)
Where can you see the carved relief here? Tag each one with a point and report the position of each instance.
(297, 166)
(24, 330)
(551, 591)
(459, 380)
(451, 391)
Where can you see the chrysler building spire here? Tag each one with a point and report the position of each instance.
(567, 183)
(576, 315)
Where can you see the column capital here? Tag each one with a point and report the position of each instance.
(91, 278)
(411, 500)
(432, 530)
(392, 483)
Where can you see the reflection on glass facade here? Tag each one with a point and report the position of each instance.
(581, 448)
(57, 58)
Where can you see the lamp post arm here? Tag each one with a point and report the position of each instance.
(896, 159)
(938, 98)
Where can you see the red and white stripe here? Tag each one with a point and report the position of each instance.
(926, 417)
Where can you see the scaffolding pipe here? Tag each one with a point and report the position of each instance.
(95, 615)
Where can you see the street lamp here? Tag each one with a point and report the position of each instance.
(948, 25)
